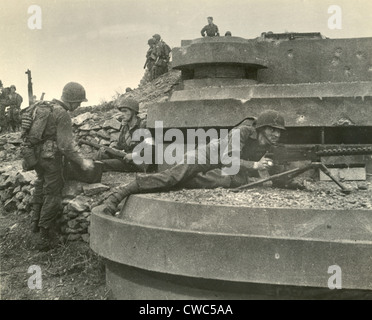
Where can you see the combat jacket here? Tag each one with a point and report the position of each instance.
(15, 100)
(211, 30)
(59, 129)
(125, 141)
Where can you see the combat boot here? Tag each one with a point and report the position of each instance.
(36, 209)
(118, 196)
(43, 243)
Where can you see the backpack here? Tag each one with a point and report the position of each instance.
(34, 120)
(166, 50)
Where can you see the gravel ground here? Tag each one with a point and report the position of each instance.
(317, 195)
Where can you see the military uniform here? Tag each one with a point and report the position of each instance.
(211, 30)
(4, 102)
(162, 59)
(15, 101)
(126, 144)
(57, 142)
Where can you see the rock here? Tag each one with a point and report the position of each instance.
(26, 177)
(79, 204)
(84, 225)
(104, 142)
(86, 214)
(19, 195)
(73, 237)
(73, 224)
(94, 188)
(10, 205)
(72, 188)
(73, 231)
(15, 138)
(112, 123)
(72, 214)
(80, 119)
(17, 189)
(86, 237)
(103, 134)
(8, 147)
(26, 189)
(98, 209)
(114, 136)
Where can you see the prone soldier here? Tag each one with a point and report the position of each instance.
(255, 143)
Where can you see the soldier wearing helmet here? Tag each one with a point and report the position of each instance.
(253, 146)
(130, 122)
(150, 58)
(162, 56)
(52, 139)
(15, 101)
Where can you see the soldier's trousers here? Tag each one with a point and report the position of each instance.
(192, 176)
(14, 118)
(3, 120)
(48, 190)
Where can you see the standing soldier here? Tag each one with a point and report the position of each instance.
(162, 52)
(49, 135)
(130, 123)
(4, 102)
(211, 30)
(150, 58)
(15, 101)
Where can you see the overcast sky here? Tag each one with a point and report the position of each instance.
(102, 43)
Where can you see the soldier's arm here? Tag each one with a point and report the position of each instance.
(65, 140)
(203, 31)
(245, 133)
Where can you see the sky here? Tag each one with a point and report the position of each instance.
(102, 43)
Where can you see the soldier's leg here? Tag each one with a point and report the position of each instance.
(2, 119)
(37, 200)
(52, 205)
(161, 181)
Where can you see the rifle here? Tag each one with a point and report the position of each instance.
(114, 152)
(283, 154)
(30, 93)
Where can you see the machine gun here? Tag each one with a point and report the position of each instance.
(283, 154)
(114, 152)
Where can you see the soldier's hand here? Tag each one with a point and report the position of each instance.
(87, 164)
(263, 164)
(128, 157)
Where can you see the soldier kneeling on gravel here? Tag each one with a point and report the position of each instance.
(255, 142)
(130, 122)
(48, 137)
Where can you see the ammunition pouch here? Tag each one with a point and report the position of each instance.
(30, 155)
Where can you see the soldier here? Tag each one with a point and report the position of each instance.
(130, 122)
(150, 58)
(15, 101)
(162, 51)
(211, 30)
(54, 139)
(4, 102)
(255, 142)
(227, 34)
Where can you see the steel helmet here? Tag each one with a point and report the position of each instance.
(128, 103)
(151, 41)
(73, 92)
(270, 118)
(156, 37)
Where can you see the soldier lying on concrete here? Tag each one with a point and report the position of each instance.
(255, 142)
(130, 123)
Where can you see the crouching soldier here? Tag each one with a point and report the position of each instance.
(48, 136)
(255, 141)
(130, 122)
